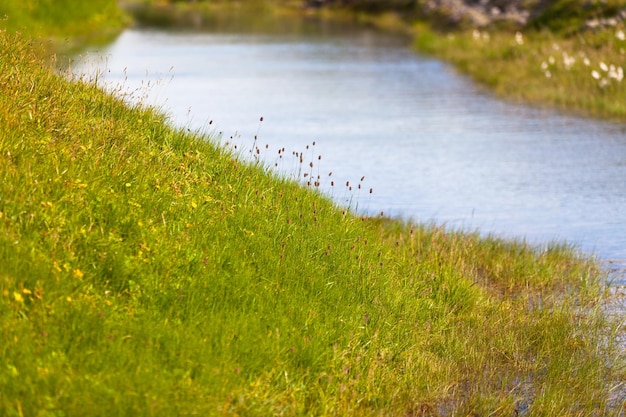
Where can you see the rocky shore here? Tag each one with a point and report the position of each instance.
(480, 13)
(484, 13)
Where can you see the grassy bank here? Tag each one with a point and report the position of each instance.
(64, 24)
(146, 271)
(582, 73)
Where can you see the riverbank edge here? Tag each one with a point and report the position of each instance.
(527, 65)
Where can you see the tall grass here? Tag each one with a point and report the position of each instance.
(146, 271)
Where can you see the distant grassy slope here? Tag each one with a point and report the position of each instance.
(570, 54)
(582, 74)
(144, 271)
(62, 20)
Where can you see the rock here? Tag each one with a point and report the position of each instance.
(480, 13)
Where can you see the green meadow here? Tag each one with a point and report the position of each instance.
(63, 25)
(580, 73)
(148, 271)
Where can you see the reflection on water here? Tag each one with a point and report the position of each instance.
(430, 143)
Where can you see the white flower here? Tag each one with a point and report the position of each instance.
(620, 35)
(556, 47)
(586, 61)
(603, 66)
(477, 35)
(595, 74)
(544, 66)
(568, 60)
(519, 38)
(551, 60)
(617, 73)
(548, 74)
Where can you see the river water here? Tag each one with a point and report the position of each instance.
(432, 145)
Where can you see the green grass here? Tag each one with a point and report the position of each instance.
(581, 74)
(147, 271)
(225, 15)
(66, 23)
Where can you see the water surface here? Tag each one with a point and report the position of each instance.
(431, 144)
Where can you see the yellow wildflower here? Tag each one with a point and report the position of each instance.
(18, 297)
(78, 274)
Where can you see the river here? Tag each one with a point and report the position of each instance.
(432, 145)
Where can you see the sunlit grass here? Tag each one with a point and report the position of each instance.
(249, 15)
(581, 73)
(148, 271)
(66, 23)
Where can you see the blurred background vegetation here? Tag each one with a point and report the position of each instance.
(60, 19)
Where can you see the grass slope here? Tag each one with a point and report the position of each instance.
(558, 59)
(145, 271)
(583, 73)
(67, 23)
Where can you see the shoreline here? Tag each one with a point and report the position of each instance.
(583, 243)
(576, 71)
